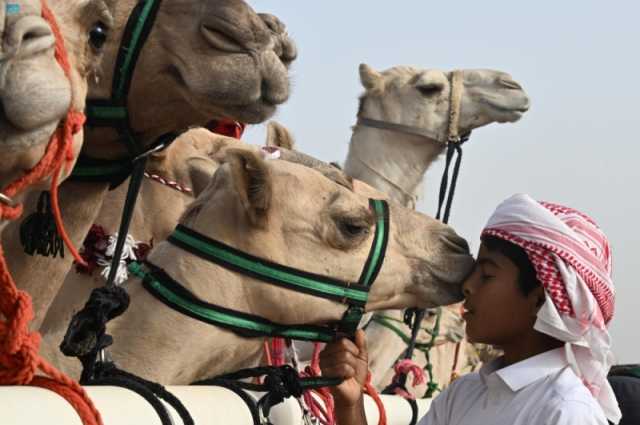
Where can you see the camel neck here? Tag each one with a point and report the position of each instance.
(392, 162)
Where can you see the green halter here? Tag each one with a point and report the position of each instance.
(355, 295)
(114, 112)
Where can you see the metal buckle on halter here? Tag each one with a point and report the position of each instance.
(104, 357)
(8, 201)
(149, 152)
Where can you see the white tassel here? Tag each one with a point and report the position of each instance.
(128, 253)
(121, 275)
(127, 250)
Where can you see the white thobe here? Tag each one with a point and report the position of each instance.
(541, 390)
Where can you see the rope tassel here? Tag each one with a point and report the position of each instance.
(38, 232)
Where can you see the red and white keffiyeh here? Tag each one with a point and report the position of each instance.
(572, 259)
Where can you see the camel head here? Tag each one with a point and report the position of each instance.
(420, 98)
(36, 94)
(203, 60)
(293, 215)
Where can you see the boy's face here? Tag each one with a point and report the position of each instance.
(496, 311)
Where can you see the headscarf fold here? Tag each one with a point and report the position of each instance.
(572, 259)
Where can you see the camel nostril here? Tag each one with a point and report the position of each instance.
(510, 84)
(29, 36)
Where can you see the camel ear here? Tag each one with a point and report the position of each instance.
(251, 180)
(201, 171)
(279, 136)
(370, 78)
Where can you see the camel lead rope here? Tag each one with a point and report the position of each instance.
(19, 357)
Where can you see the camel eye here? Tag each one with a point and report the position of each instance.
(352, 229)
(98, 35)
(429, 89)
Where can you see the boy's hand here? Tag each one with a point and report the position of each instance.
(348, 360)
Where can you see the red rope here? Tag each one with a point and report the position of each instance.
(403, 368)
(19, 359)
(325, 414)
(371, 391)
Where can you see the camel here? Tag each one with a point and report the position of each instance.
(232, 65)
(292, 215)
(396, 160)
(197, 157)
(36, 94)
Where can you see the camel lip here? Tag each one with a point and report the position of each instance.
(519, 107)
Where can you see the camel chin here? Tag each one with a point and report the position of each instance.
(36, 92)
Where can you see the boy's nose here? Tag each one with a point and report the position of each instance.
(467, 285)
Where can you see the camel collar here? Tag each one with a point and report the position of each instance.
(453, 131)
(355, 295)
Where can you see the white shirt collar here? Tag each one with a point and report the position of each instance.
(525, 372)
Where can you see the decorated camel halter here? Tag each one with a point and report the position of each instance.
(114, 112)
(354, 295)
(453, 140)
(453, 131)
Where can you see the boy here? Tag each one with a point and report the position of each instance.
(541, 291)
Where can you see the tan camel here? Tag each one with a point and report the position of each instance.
(292, 215)
(36, 94)
(192, 163)
(232, 65)
(394, 160)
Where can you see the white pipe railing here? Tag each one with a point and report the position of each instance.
(207, 406)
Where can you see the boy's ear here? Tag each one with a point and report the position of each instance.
(251, 181)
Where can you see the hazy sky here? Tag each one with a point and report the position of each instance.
(577, 60)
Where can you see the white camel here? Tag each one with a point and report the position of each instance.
(405, 119)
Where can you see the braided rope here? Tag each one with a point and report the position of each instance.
(170, 183)
(19, 359)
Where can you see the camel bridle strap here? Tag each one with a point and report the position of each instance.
(456, 84)
(176, 296)
(114, 112)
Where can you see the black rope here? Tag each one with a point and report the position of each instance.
(155, 403)
(414, 317)
(414, 410)
(106, 373)
(447, 192)
(86, 334)
(137, 176)
(280, 383)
